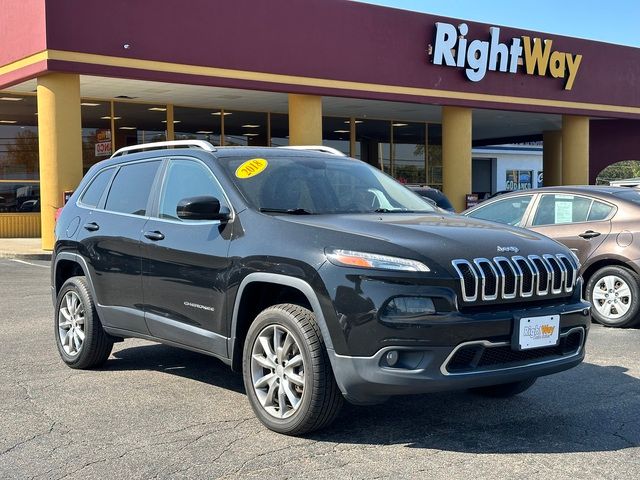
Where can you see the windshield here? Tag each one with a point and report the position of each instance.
(318, 185)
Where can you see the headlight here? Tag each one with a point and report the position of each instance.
(350, 258)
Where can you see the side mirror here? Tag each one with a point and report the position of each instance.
(202, 208)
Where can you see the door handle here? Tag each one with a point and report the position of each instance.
(91, 226)
(589, 234)
(155, 236)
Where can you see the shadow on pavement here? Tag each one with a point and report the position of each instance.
(588, 409)
(176, 361)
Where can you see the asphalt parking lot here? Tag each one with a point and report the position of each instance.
(158, 412)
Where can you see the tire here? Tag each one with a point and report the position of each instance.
(505, 390)
(614, 293)
(75, 318)
(291, 389)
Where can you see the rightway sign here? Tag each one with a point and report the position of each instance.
(453, 49)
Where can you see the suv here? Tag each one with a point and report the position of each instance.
(316, 275)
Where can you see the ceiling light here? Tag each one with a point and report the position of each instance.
(220, 113)
(400, 124)
(128, 128)
(89, 104)
(127, 97)
(250, 134)
(205, 132)
(341, 131)
(157, 109)
(175, 121)
(8, 121)
(355, 121)
(11, 99)
(250, 126)
(109, 118)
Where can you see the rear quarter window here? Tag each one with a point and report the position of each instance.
(129, 192)
(92, 195)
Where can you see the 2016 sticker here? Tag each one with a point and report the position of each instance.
(251, 168)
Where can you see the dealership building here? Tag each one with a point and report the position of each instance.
(425, 98)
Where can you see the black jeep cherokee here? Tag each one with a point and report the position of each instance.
(316, 275)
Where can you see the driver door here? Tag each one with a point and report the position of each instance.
(185, 263)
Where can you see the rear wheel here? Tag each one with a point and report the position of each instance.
(287, 374)
(81, 341)
(614, 293)
(505, 390)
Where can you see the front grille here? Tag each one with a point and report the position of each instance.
(516, 277)
(483, 356)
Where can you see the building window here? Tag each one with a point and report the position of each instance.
(336, 133)
(246, 128)
(19, 157)
(197, 124)
(96, 132)
(140, 123)
(519, 179)
(279, 129)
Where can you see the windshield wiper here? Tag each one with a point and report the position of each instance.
(395, 210)
(290, 211)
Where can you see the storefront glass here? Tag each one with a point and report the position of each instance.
(140, 123)
(246, 128)
(96, 132)
(279, 130)
(19, 158)
(197, 124)
(336, 133)
(409, 152)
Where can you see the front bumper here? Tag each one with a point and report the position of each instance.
(469, 364)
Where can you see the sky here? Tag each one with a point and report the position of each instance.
(612, 21)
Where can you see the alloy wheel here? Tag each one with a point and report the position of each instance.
(71, 323)
(277, 371)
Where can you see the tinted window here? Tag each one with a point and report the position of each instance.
(186, 178)
(599, 211)
(92, 195)
(561, 208)
(507, 210)
(130, 189)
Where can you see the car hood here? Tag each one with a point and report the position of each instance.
(435, 236)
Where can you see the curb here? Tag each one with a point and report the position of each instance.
(25, 256)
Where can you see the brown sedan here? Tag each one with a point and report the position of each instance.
(601, 225)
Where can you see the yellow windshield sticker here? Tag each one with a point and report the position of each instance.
(251, 168)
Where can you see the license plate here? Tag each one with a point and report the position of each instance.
(536, 332)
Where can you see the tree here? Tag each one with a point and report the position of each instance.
(619, 171)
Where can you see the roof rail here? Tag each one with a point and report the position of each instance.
(317, 148)
(204, 145)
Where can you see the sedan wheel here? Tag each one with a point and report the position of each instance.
(614, 293)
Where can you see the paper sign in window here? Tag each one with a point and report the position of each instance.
(564, 212)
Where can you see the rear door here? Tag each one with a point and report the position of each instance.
(109, 240)
(578, 221)
(185, 265)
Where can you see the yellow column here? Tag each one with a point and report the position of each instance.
(456, 154)
(170, 130)
(60, 145)
(575, 150)
(305, 119)
(552, 158)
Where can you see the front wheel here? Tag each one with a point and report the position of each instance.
(614, 294)
(505, 390)
(287, 374)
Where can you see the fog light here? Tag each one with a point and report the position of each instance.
(391, 357)
(407, 308)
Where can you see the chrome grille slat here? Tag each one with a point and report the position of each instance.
(516, 277)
